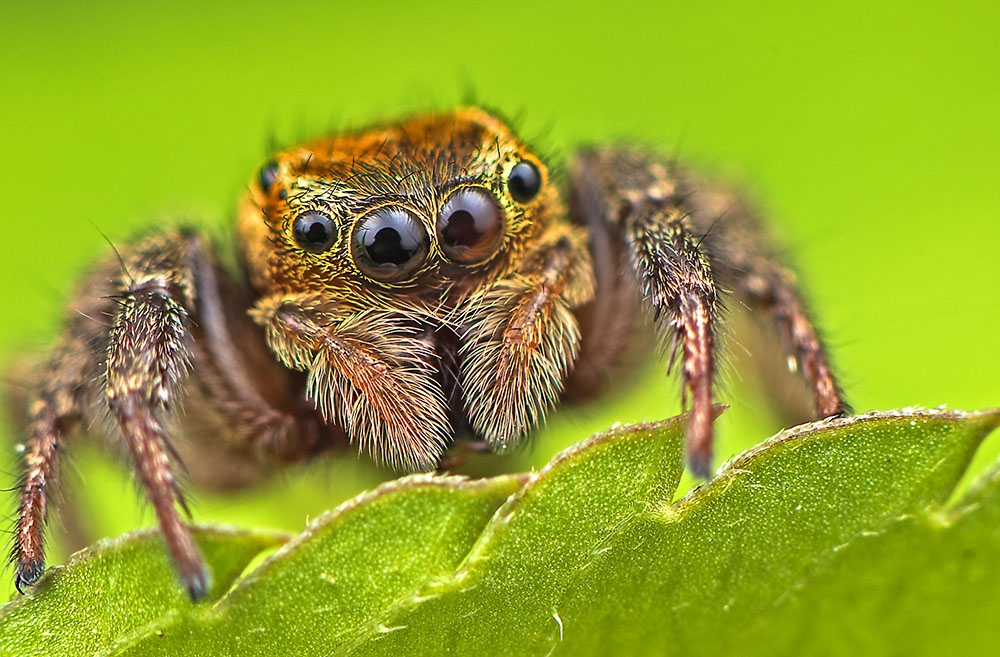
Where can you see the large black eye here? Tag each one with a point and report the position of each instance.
(313, 231)
(524, 182)
(267, 175)
(469, 226)
(389, 244)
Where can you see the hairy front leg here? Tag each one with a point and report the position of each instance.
(132, 335)
(53, 409)
(749, 264)
(134, 367)
(641, 230)
(148, 357)
(368, 372)
(684, 240)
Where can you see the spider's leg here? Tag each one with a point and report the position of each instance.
(800, 340)
(147, 358)
(675, 279)
(749, 264)
(53, 409)
(148, 355)
(521, 338)
(169, 304)
(239, 377)
(170, 314)
(369, 373)
(640, 224)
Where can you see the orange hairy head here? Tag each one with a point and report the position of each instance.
(421, 212)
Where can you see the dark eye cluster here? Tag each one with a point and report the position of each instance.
(470, 226)
(524, 182)
(390, 244)
(314, 231)
(268, 176)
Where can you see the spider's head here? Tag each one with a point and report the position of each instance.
(424, 211)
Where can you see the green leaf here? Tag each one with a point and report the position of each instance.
(926, 584)
(117, 589)
(331, 585)
(832, 536)
(647, 576)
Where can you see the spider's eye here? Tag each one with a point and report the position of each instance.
(267, 175)
(389, 244)
(524, 182)
(469, 226)
(313, 231)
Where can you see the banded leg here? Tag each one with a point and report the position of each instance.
(800, 341)
(749, 264)
(148, 356)
(146, 352)
(368, 373)
(52, 412)
(171, 314)
(134, 366)
(522, 340)
(640, 223)
(675, 278)
(681, 237)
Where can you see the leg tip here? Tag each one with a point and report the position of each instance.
(700, 464)
(699, 442)
(28, 573)
(197, 584)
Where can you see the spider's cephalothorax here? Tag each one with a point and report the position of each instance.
(400, 286)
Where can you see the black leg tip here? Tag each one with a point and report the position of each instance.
(28, 573)
(197, 584)
(700, 464)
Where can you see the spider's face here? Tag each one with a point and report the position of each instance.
(424, 211)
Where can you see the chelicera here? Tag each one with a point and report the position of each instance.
(397, 288)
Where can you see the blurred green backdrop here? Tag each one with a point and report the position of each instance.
(869, 132)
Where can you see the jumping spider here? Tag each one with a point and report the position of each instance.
(396, 287)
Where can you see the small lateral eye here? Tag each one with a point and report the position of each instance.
(389, 244)
(524, 182)
(267, 175)
(469, 226)
(313, 231)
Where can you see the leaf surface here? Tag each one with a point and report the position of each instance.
(830, 537)
(120, 588)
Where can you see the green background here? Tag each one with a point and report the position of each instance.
(868, 132)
